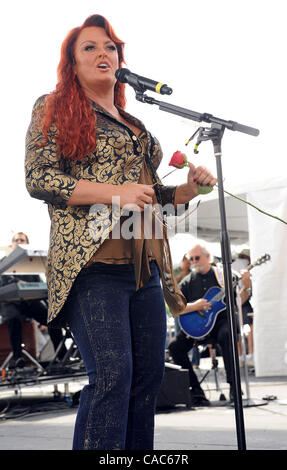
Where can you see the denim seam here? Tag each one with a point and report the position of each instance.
(97, 362)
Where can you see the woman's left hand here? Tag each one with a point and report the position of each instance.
(199, 176)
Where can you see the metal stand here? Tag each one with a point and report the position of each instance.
(215, 134)
(71, 356)
(247, 402)
(25, 353)
(217, 382)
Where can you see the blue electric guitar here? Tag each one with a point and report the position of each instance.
(199, 324)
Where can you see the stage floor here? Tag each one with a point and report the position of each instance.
(42, 416)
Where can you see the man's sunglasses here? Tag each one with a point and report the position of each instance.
(196, 258)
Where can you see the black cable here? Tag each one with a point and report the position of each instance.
(20, 411)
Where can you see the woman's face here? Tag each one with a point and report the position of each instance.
(96, 58)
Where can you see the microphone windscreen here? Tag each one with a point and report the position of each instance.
(121, 75)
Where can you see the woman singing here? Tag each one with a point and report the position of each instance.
(82, 150)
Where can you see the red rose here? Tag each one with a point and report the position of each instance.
(178, 160)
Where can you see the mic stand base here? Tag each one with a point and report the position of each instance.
(249, 402)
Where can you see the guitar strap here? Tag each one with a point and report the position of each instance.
(219, 275)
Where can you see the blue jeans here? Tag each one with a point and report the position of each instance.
(121, 335)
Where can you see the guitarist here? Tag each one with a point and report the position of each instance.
(194, 286)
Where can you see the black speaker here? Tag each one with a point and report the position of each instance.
(174, 388)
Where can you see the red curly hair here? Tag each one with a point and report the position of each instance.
(67, 107)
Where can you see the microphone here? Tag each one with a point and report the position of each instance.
(142, 83)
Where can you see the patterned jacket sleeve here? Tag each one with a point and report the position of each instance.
(45, 179)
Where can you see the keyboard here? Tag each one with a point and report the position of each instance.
(23, 291)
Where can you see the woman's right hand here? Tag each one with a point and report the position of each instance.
(134, 196)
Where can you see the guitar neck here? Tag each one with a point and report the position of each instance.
(250, 266)
(258, 262)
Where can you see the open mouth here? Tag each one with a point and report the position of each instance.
(103, 66)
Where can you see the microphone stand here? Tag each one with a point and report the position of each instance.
(215, 134)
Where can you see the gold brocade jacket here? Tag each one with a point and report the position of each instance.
(117, 159)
